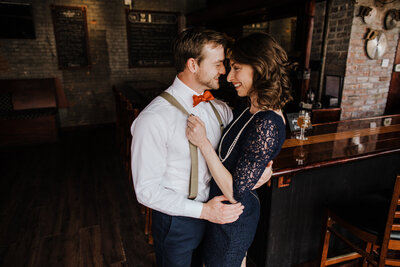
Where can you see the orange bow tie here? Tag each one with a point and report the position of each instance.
(207, 96)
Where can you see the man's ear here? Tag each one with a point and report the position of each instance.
(192, 65)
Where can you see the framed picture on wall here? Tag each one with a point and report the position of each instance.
(70, 30)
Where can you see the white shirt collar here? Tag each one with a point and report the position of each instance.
(182, 91)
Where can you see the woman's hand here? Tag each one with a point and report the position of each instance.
(265, 177)
(196, 131)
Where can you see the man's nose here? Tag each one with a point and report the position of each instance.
(222, 70)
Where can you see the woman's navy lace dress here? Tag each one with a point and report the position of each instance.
(261, 136)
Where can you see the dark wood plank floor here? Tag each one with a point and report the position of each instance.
(69, 204)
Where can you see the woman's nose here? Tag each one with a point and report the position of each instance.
(230, 76)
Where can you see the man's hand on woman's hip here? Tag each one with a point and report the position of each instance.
(217, 212)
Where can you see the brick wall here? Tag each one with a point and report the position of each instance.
(340, 21)
(88, 90)
(366, 82)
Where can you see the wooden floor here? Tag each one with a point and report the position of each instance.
(69, 204)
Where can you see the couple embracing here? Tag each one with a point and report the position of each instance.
(224, 209)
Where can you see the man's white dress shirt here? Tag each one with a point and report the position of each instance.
(160, 152)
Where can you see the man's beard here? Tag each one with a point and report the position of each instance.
(210, 83)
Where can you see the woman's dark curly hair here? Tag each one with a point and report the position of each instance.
(271, 82)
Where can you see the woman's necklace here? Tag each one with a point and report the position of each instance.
(236, 138)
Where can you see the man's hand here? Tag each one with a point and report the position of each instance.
(265, 176)
(217, 212)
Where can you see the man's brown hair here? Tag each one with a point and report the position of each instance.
(190, 43)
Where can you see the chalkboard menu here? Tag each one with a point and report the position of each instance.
(150, 35)
(70, 30)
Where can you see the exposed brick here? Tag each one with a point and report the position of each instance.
(359, 61)
(362, 79)
(88, 90)
(373, 79)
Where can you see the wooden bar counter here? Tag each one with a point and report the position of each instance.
(339, 161)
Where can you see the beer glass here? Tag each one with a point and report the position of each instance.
(303, 121)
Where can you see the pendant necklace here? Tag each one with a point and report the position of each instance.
(236, 138)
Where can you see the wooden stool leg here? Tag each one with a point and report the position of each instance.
(147, 224)
(151, 241)
(368, 249)
(325, 237)
(142, 209)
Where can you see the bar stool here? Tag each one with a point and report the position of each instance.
(118, 119)
(131, 114)
(374, 219)
(125, 114)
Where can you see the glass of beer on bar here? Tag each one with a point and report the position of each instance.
(303, 121)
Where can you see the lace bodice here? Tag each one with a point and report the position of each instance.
(259, 143)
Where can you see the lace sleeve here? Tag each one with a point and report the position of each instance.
(260, 146)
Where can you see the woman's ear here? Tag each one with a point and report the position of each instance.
(192, 65)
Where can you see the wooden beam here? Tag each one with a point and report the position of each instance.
(310, 13)
(239, 12)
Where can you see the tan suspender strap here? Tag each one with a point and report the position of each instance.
(174, 102)
(221, 125)
(194, 170)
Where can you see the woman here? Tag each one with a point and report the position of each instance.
(259, 71)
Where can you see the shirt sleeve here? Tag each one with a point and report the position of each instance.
(258, 149)
(149, 163)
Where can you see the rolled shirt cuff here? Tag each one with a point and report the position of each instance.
(193, 209)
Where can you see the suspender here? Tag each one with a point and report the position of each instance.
(194, 172)
(221, 125)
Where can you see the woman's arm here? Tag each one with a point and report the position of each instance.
(196, 133)
(260, 146)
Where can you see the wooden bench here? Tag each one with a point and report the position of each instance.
(28, 110)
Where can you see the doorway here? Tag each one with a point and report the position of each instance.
(393, 100)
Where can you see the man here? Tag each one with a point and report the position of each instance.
(161, 161)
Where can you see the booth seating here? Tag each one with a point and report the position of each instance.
(374, 219)
(28, 110)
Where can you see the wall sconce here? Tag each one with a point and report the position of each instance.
(383, 2)
(128, 3)
(364, 11)
(392, 19)
(367, 13)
